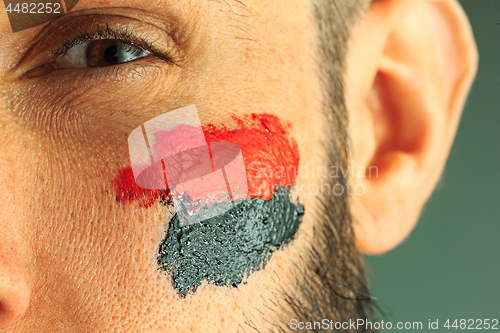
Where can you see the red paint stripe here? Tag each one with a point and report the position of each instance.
(164, 173)
(271, 157)
(211, 157)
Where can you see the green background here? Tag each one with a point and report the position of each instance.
(449, 267)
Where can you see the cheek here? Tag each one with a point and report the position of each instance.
(89, 249)
(221, 247)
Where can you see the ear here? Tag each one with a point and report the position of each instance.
(411, 64)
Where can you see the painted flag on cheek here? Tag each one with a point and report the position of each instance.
(256, 161)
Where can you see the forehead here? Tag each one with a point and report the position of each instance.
(248, 20)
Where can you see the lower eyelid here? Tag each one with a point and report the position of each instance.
(139, 67)
(70, 61)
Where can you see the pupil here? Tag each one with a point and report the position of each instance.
(112, 55)
(102, 53)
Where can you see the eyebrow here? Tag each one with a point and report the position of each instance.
(239, 4)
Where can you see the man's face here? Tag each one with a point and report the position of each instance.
(90, 256)
(83, 248)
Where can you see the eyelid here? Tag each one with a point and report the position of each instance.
(76, 56)
(55, 33)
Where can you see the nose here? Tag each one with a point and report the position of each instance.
(14, 281)
(15, 288)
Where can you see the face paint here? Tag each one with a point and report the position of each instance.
(204, 178)
(270, 158)
(127, 190)
(222, 248)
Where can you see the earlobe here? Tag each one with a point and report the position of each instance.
(419, 60)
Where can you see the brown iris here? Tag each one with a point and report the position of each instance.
(109, 52)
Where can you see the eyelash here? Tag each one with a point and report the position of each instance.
(106, 32)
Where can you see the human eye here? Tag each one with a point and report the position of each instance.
(101, 53)
(105, 47)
